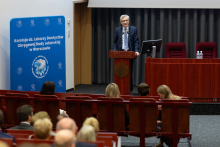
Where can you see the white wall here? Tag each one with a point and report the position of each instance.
(30, 8)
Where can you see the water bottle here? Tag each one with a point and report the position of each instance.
(201, 55)
(197, 55)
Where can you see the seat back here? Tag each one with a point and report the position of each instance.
(33, 141)
(209, 49)
(78, 109)
(112, 134)
(175, 50)
(107, 139)
(29, 132)
(111, 116)
(136, 115)
(175, 114)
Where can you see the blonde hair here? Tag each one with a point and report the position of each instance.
(43, 128)
(86, 134)
(40, 115)
(92, 122)
(165, 90)
(112, 90)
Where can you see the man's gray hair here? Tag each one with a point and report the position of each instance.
(122, 16)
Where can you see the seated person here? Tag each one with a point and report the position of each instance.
(112, 90)
(42, 115)
(25, 114)
(92, 122)
(165, 93)
(48, 88)
(43, 128)
(2, 134)
(65, 138)
(3, 144)
(86, 134)
(143, 89)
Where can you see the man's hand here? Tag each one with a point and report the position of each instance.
(137, 54)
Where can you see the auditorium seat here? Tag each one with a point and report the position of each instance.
(111, 116)
(78, 109)
(175, 50)
(209, 49)
(136, 111)
(34, 141)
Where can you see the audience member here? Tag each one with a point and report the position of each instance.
(65, 138)
(48, 88)
(2, 134)
(112, 90)
(165, 93)
(43, 128)
(60, 116)
(86, 134)
(3, 144)
(42, 115)
(68, 123)
(92, 122)
(25, 114)
(143, 89)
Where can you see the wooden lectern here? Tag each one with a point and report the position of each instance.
(122, 71)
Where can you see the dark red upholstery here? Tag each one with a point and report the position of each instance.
(175, 50)
(209, 49)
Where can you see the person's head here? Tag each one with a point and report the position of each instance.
(92, 122)
(143, 89)
(40, 115)
(25, 113)
(43, 128)
(1, 118)
(164, 92)
(67, 123)
(65, 138)
(112, 90)
(124, 20)
(60, 116)
(3, 144)
(86, 134)
(48, 88)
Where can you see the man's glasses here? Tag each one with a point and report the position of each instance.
(125, 21)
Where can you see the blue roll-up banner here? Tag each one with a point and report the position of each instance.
(37, 53)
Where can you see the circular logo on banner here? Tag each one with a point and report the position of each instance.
(19, 70)
(20, 87)
(46, 22)
(19, 23)
(32, 86)
(60, 83)
(40, 67)
(59, 65)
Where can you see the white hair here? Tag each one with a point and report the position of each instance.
(122, 16)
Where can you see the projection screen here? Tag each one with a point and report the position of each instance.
(204, 4)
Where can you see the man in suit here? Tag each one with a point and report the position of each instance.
(126, 39)
(68, 123)
(2, 134)
(25, 114)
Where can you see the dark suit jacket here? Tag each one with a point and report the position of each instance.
(133, 41)
(4, 135)
(83, 144)
(22, 126)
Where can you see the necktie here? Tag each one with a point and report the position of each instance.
(125, 40)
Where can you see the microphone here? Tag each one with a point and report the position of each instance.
(127, 32)
(123, 33)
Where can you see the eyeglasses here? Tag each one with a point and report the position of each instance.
(125, 21)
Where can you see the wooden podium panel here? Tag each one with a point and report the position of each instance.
(193, 78)
(122, 71)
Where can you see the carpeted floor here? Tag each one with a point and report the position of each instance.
(205, 129)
